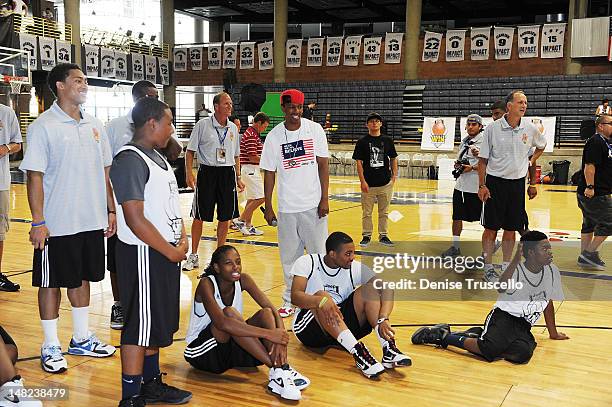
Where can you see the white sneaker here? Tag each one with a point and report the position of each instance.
(237, 224)
(364, 360)
(286, 310)
(192, 262)
(13, 393)
(282, 384)
(300, 381)
(92, 346)
(251, 231)
(52, 360)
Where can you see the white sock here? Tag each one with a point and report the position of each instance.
(383, 342)
(49, 327)
(456, 241)
(80, 323)
(347, 340)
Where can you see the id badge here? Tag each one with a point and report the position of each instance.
(221, 156)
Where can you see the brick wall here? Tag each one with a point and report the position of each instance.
(382, 71)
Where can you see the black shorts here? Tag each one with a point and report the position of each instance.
(506, 336)
(6, 338)
(206, 354)
(309, 332)
(68, 260)
(466, 206)
(596, 214)
(111, 263)
(216, 186)
(149, 293)
(506, 207)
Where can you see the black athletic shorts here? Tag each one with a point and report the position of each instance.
(506, 207)
(6, 338)
(466, 206)
(68, 260)
(596, 214)
(309, 332)
(149, 293)
(206, 354)
(506, 336)
(111, 244)
(216, 186)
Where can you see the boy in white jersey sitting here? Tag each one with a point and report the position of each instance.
(338, 304)
(507, 329)
(219, 338)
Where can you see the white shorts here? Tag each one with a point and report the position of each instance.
(253, 182)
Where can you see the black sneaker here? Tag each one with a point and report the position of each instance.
(155, 391)
(365, 241)
(591, 260)
(452, 252)
(116, 320)
(136, 401)
(385, 241)
(431, 335)
(7, 285)
(474, 332)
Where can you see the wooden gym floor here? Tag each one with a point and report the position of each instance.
(565, 373)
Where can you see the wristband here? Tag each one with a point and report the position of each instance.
(532, 186)
(113, 212)
(482, 186)
(322, 302)
(39, 224)
(381, 320)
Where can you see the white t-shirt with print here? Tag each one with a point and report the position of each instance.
(293, 156)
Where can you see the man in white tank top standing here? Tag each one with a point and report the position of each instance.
(152, 242)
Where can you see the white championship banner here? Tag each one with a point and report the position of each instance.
(528, 41)
(121, 71)
(151, 68)
(230, 51)
(214, 56)
(137, 67)
(247, 55)
(431, 46)
(479, 43)
(393, 48)
(63, 51)
(352, 49)
(293, 53)
(315, 52)
(164, 71)
(180, 59)
(547, 126)
(107, 62)
(463, 121)
(92, 60)
(438, 133)
(553, 37)
(47, 53)
(195, 58)
(266, 55)
(27, 42)
(455, 45)
(503, 36)
(371, 50)
(334, 49)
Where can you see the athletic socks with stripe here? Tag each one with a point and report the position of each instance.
(347, 340)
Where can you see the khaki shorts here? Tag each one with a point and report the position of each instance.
(4, 214)
(253, 182)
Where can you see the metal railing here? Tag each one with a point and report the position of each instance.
(42, 27)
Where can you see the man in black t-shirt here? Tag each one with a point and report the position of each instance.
(377, 168)
(593, 193)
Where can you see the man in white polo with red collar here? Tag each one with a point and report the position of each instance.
(296, 152)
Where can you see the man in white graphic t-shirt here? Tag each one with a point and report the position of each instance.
(296, 151)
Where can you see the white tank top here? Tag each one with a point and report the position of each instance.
(339, 282)
(161, 206)
(199, 319)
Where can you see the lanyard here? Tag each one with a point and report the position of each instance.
(607, 144)
(221, 139)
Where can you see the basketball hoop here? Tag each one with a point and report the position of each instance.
(16, 82)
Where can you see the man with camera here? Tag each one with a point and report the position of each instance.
(466, 204)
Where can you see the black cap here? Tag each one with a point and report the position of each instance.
(374, 115)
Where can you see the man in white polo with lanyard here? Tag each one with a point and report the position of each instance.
(504, 164)
(217, 143)
(296, 151)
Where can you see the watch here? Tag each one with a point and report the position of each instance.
(381, 320)
(482, 186)
(590, 186)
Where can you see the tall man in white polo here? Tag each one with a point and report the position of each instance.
(296, 150)
(217, 143)
(71, 199)
(10, 142)
(502, 170)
